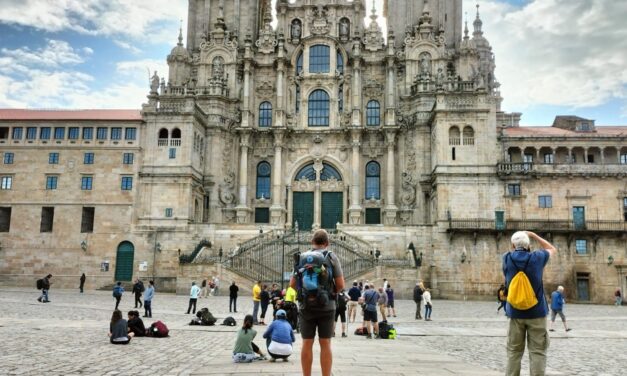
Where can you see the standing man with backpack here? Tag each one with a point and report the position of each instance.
(118, 290)
(318, 279)
(45, 286)
(526, 305)
(138, 289)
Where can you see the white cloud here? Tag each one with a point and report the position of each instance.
(54, 54)
(140, 20)
(557, 52)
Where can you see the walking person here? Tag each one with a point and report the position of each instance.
(418, 299)
(340, 311)
(317, 311)
(383, 303)
(138, 289)
(82, 282)
(618, 297)
(354, 294)
(279, 337)
(216, 286)
(557, 307)
(527, 325)
(256, 301)
(193, 297)
(233, 290)
(390, 293)
(501, 297)
(118, 290)
(265, 301)
(426, 296)
(150, 293)
(45, 288)
(370, 312)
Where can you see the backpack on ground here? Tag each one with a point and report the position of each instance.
(520, 294)
(392, 333)
(361, 331)
(315, 279)
(158, 329)
(383, 329)
(40, 284)
(229, 321)
(206, 317)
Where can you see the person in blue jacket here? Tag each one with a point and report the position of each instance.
(118, 290)
(279, 337)
(557, 307)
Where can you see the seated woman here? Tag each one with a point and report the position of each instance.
(279, 337)
(135, 324)
(118, 329)
(244, 349)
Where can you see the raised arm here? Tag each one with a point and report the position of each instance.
(543, 243)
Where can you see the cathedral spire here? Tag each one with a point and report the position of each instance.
(267, 12)
(466, 28)
(374, 16)
(180, 43)
(478, 24)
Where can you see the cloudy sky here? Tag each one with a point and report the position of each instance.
(553, 56)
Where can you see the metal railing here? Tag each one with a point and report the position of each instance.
(544, 225)
(188, 259)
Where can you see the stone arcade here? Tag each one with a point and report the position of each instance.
(396, 142)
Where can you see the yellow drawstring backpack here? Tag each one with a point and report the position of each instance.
(520, 294)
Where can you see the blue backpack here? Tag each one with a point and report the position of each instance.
(117, 291)
(316, 286)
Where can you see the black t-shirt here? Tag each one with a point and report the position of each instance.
(136, 325)
(354, 293)
(265, 297)
(233, 289)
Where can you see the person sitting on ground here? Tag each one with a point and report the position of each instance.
(279, 337)
(245, 349)
(118, 329)
(135, 324)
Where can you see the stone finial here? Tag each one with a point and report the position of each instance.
(181, 34)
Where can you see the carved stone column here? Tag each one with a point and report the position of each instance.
(390, 208)
(317, 196)
(242, 208)
(354, 211)
(277, 209)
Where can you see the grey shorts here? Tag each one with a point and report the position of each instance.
(323, 321)
(558, 312)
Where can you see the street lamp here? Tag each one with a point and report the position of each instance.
(84, 245)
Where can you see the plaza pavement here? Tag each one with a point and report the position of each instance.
(69, 337)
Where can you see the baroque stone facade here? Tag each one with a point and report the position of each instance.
(323, 121)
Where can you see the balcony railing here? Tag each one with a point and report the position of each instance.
(561, 168)
(542, 225)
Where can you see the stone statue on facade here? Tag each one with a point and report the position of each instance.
(296, 30)
(344, 29)
(425, 64)
(218, 67)
(154, 83)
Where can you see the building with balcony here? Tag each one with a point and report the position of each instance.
(260, 133)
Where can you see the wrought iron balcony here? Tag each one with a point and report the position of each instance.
(539, 169)
(538, 225)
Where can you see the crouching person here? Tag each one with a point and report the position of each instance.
(244, 350)
(279, 337)
(118, 329)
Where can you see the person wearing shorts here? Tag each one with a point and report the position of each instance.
(370, 311)
(320, 319)
(557, 307)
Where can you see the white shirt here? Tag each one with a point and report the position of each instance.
(193, 293)
(427, 297)
(280, 348)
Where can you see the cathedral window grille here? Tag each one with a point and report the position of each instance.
(88, 133)
(513, 189)
(44, 133)
(127, 158)
(263, 180)
(59, 133)
(469, 136)
(7, 182)
(53, 158)
(545, 202)
(329, 172)
(340, 62)
(581, 246)
(127, 183)
(87, 219)
(318, 109)
(17, 133)
(373, 114)
(131, 133)
(73, 133)
(373, 181)
(307, 173)
(86, 183)
(454, 136)
(116, 133)
(31, 133)
(172, 153)
(265, 114)
(101, 133)
(51, 182)
(319, 59)
(88, 158)
(47, 219)
(8, 158)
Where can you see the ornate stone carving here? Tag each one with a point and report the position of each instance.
(320, 25)
(154, 84)
(227, 189)
(410, 151)
(408, 190)
(296, 31)
(373, 146)
(266, 89)
(373, 36)
(373, 89)
(267, 41)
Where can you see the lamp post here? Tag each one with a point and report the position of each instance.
(156, 249)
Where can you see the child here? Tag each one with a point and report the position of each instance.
(118, 329)
(279, 337)
(244, 349)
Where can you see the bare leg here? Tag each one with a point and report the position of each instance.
(306, 356)
(326, 356)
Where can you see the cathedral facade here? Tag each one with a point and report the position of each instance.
(394, 138)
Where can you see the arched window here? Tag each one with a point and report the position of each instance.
(453, 136)
(373, 181)
(329, 172)
(373, 113)
(263, 180)
(340, 62)
(163, 133)
(307, 173)
(265, 114)
(299, 64)
(319, 59)
(469, 135)
(340, 98)
(176, 133)
(297, 99)
(318, 109)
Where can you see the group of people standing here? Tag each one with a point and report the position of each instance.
(137, 290)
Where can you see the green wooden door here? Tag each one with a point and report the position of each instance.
(332, 207)
(302, 210)
(124, 262)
